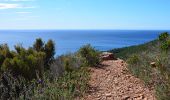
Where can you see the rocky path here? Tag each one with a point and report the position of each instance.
(114, 82)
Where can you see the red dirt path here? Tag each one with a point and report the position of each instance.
(114, 82)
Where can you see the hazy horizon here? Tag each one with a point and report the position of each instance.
(85, 29)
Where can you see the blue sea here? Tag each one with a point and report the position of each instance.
(71, 40)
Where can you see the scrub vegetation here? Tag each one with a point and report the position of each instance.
(151, 63)
(36, 74)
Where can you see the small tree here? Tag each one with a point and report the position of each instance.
(50, 52)
(38, 45)
(163, 36)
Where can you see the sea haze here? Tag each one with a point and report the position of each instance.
(71, 40)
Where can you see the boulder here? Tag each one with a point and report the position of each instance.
(107, 56)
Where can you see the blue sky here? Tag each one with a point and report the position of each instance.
(85, 14)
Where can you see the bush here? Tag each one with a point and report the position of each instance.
(11, 87)
(50, 52)
(134, 59)
(69, 86)
(65, 84)
(24, 77)
(38, 45)
(165, 45)
(48, 48)
(163, 36)
(26, 62)
(57, 67)
(90, 55)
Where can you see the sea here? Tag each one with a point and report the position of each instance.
(69, 41)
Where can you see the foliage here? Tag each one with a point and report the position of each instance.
(164, 41)
(134, 59)
(39, 45)
(23, 76)
(163, 36)
(90, 55)
(125, 52)
(139, 60)
(68, 86)
(50, 52)
(71, 85)
(26, 62)
(10, 87)
(48, 49)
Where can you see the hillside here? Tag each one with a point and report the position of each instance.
(150, 63)
(128, 51)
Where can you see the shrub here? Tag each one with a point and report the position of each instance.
(165, 46)
(134, 59)
(90, 55)
(48, 48)
(27, 80)
(50, 52)
(57, 67)
(71, 62)
(26, 62)
(38, 45)
(11, 87)
(165, 41)
(163, 36)
(4, 51)
(69, 86)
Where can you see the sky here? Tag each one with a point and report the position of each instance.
(85, 14)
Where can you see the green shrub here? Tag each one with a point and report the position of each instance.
(134, 59)
(163, 36)
(90, 55)
(49, 50)
(5, 51)
(72, 61)
(165, 46)
(26, 62)
(27, 79)
(38, 45)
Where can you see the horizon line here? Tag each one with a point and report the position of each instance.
(91, 29)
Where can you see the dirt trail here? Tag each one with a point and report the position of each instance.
(114, 82)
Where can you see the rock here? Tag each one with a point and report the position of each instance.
(108, 95)
(139, 97)
(153, 64)
(121, 61)
(126, 97)
(107, 56)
